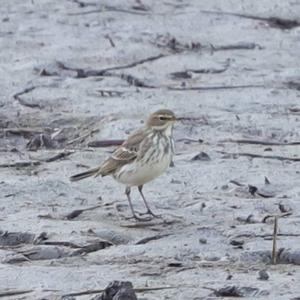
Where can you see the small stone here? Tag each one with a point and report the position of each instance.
(252, 189)
(201, 156)
(263, 275)
(175, 181)
(175, 264)
(237, 242)
(118, 290)
(212, 258)
(202, 241)
(224, 187)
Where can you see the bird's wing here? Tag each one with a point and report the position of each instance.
(124, 154)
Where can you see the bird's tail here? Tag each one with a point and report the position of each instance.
(85, 174)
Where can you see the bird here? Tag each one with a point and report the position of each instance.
(143, 156)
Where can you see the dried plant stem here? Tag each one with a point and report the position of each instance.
(274, 247)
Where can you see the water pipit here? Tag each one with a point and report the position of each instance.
(145, 155)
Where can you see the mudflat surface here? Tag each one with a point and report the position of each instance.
(74, 72)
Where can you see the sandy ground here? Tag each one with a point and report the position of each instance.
(93, 71)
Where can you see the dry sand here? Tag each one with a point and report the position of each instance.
(236, 75)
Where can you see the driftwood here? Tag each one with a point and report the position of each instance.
(8, 239)
(54, 250)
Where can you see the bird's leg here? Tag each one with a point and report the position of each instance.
(134, 215)
(149, 211)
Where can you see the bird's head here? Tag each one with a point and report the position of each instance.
(161, 119)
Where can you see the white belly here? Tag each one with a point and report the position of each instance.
(138, 173)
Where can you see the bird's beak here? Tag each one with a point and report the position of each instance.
(179, 118)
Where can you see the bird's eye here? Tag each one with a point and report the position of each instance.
(163, 118)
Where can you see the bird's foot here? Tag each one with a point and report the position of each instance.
(138, 218)
(151, 213)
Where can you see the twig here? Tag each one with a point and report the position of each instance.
(107, 8)
(75, 213)
(36, 162)
(151, 238)
(83, 4)
(150, 223)
(83, 137)
(132, 80)
(88, 292)
(110, 40)
(14, 293)
(98, 245)
(108, 143)
(272, 21)
(267, 235)
(107, 93)
(105, 143)
(252, 155)
(136, 63)
(258, 142)
(83, 73)
(173, 44)
(24, 130)
(189, 140)
(21, 164)
(25, 91)
(208, 88)
(60, 243)
(274, 246)
(286, 214)
(238, 46)
(236, 183)
(187, 73)
(158, 288)
(31, 105)
(56, 156)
